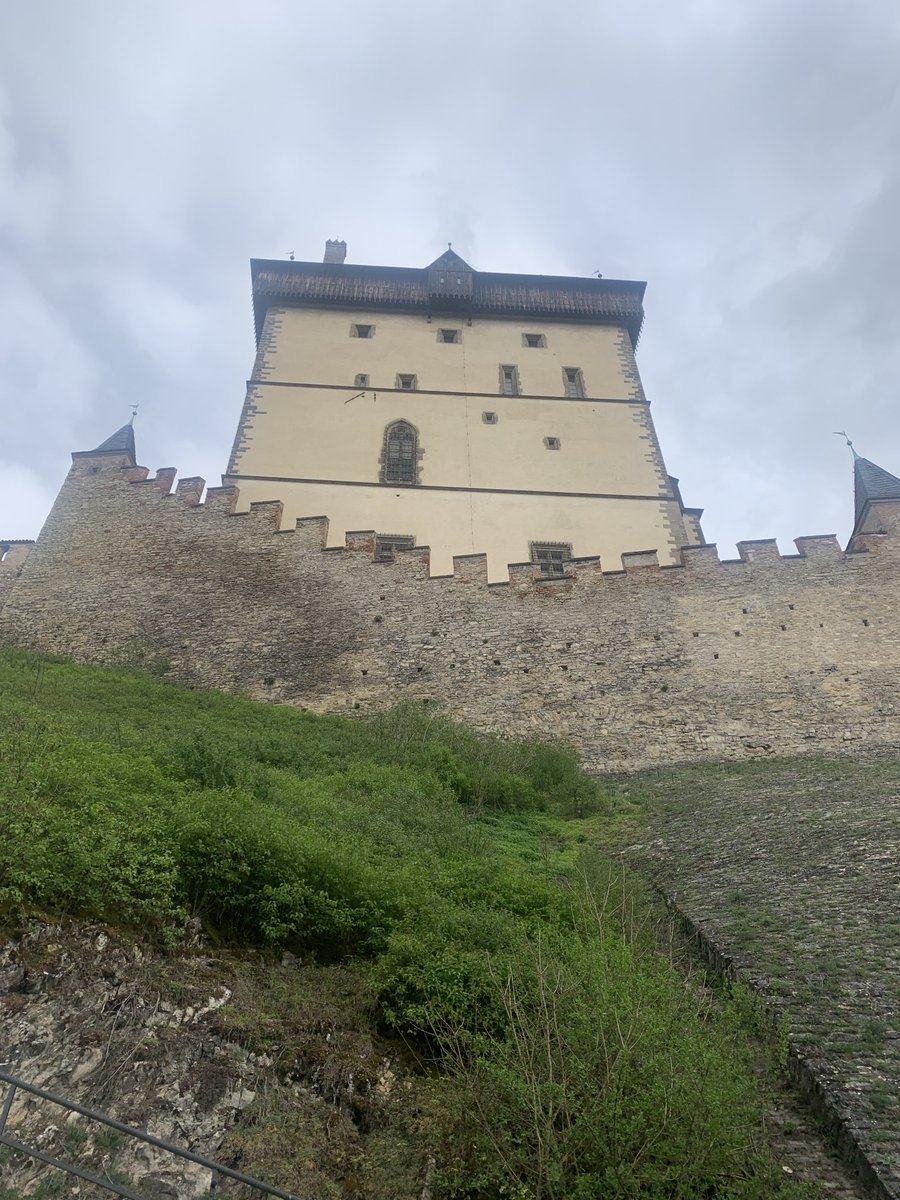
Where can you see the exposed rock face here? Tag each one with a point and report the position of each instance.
(79, 1020)
(273, 1069)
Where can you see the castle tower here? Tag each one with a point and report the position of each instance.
(466, 410)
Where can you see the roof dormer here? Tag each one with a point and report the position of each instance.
(450, 281)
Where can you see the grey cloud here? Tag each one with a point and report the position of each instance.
(741, 158)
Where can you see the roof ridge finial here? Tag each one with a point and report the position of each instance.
(843, 433)
(134, 410)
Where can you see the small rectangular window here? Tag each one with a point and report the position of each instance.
(406, 383)
(551, 557)
(509, 380)
(535, 340)
(574, 381)
(552, 443)
(489, 418)
(449, 335)
(362, 331)
(361, 381)
(387, 545)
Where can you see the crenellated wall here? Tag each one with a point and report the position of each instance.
(761, 655)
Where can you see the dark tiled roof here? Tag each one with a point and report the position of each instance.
(872, 483)
(563, 297)
(121, 442)
(450, 261)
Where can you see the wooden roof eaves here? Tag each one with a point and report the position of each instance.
(625, 296)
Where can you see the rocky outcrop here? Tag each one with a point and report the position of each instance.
(80, 1018)
(171, 1043)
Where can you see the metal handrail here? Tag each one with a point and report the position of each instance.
(15, 1084)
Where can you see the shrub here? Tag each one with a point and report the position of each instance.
(257, 875)
(602, 1076)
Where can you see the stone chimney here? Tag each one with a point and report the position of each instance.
(335, 252)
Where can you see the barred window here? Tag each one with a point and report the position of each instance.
(509, 380)
(551, 557)
(387, 545)
(401, 454)
(574, 381)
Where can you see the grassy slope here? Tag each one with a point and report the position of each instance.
(449, 883)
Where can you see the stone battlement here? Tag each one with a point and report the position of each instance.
(763, 654)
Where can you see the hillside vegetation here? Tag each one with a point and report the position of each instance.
(453, 886)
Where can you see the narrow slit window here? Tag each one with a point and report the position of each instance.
(536, 341)
(509, 380)
(574, 381)
(387, 545)
(551, 557)
(362, 331)
(552, 443)
(361, 381)
(489, 418)
(449, 335)
(400, 456)
(407, 383)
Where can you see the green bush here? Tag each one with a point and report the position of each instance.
(258, 876)
(85, 831)
(434, 984)
(600, 1075)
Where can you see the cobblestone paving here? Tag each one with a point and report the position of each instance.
(791, 869)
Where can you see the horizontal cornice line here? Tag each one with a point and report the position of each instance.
(346, 387)
(660, 498)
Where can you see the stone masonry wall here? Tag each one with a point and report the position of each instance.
(12, 559)
(761, 656)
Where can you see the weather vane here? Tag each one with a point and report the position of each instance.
(843, 433)
(134, 408)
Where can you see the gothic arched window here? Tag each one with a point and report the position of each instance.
(400, 454)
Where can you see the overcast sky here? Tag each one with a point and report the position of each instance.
(742, 156)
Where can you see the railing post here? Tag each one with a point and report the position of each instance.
(7, 1105)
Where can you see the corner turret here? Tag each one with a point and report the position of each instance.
(120, 442)
(876, 499)
(874, 489)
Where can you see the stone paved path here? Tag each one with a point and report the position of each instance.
(791, 868)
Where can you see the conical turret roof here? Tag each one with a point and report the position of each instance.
(120, 442)
(871, 482)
